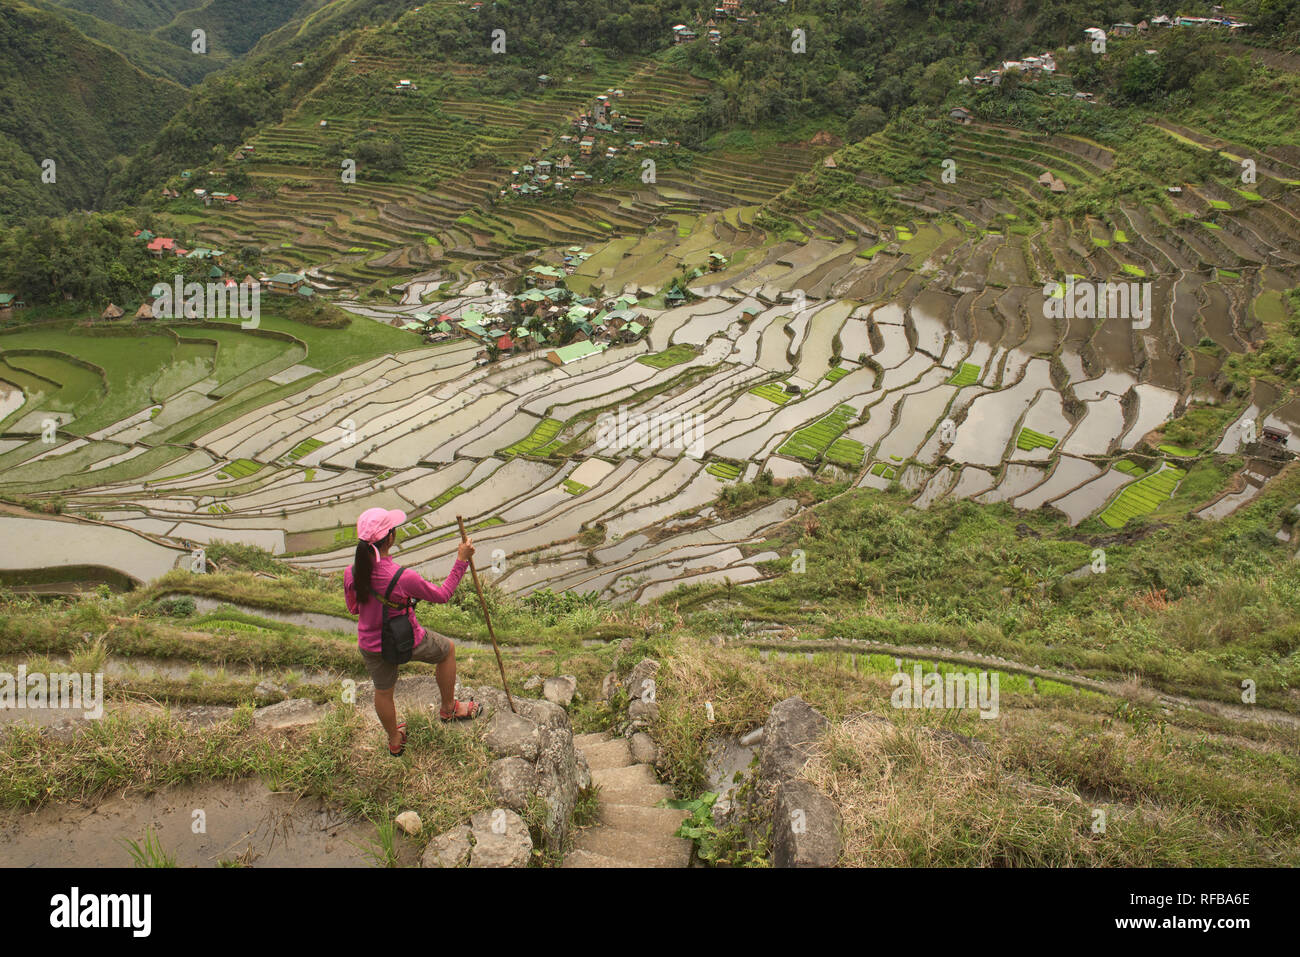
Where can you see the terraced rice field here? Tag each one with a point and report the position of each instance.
(924, 352)
(1143, 496)
(809, 443)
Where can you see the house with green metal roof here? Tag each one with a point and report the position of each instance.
(284, 283)
(545, 277)
(573, 352)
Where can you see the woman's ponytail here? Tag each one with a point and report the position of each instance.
(363, 567)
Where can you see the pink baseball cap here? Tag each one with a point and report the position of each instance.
(375, 523)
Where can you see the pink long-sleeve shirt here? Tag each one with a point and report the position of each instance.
(370, 616)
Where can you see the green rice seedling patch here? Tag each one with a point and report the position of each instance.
(445, 497)
(846, 452)
(305, 447)
(1134, 270)
(1177, 451)
(836, 374)
(672, 356)
(727, 471)
(773, 392)
(1121, 236)
(811, 441)
(238, 469)
(539, 441)
(575, 488)
(1143, 496)
(1129, 467)
(1247, 194)
(1028, 440)
(1270, 309)
(1220, 204)
(968, 374)
(885, 471)
(1211, 225)
(870, 253)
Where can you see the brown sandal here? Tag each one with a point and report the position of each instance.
(460, 711)
(401, 748)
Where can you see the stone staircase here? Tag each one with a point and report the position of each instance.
(630, 831)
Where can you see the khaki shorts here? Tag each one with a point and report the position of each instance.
(432, 649)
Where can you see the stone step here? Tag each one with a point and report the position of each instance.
(588, 859)
(632, 775)
(636, 795)
(634, 848)
(607, 754)
(646, 820)
(582, 740)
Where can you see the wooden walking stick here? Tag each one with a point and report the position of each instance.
(486, 617)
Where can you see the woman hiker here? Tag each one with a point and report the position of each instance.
(364, 587)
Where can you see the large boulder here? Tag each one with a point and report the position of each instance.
(643, 748)
(513, 781)
(791, 729)
(449, 849)
(643, 713)
(805, 827)
(500, 839)
(608, 685)
(541, 734)
(513, 735)
(560, 690)
(640, 682)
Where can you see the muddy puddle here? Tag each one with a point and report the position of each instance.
(204, 825)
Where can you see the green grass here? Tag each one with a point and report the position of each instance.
(1130, 468)
(968, 374)
(1028, 440)
(1143, 496)
(1178, 451)
(672, 356)
(810, 442)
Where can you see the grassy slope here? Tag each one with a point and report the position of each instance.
(68, 98)
(1178, 786)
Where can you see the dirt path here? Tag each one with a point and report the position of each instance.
(1220, 709)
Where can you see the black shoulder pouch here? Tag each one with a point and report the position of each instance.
(397, 637)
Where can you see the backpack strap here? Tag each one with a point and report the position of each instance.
(387, 599)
